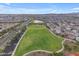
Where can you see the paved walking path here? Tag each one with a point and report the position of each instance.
(37, 51)
(18, 43)
(63, 44)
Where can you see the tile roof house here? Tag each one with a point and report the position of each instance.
(71, 54)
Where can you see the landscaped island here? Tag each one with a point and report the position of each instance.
(38, 37)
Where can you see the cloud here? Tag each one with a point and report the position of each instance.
(53, 11)
(75, 8)
(7, 3)
(7, 8)
(4, 9)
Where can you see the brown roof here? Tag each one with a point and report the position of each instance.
(71, 54)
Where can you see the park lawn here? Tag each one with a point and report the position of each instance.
(1, 50)
(37, 37)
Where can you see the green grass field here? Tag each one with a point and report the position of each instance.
(37, 37)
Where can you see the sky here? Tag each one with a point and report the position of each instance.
(38, 8)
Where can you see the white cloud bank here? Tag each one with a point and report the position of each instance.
(77, 8)
(7, 9)
(14, 10)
